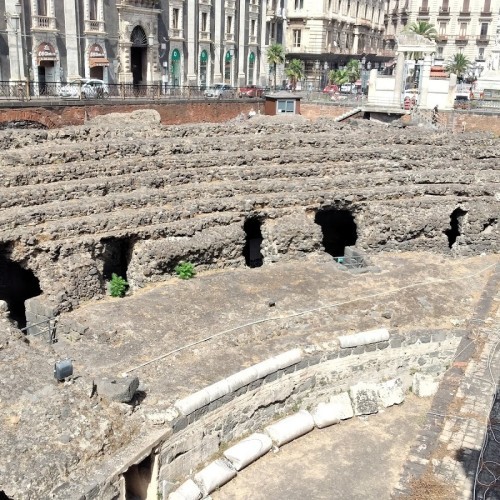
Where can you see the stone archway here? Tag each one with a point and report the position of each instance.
(139, 56)
(45, 119)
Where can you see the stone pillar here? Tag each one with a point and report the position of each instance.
(424, 86)
(14, 41)
(218, 24)
(355, 42)
(452, 91)
(191, 32)
(242, 52)
(72, 47)
(398, 85)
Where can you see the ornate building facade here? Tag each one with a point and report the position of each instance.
(470, 27)
(176, 42)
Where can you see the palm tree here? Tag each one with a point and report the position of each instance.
(295, 72)
(427, 30)
(458, 64)
(338, 77)
(353, 68)
(275, 56)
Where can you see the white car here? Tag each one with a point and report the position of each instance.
(220, 90)
(91, 88)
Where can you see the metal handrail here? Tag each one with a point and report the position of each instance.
(51, 337)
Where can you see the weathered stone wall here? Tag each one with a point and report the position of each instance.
(184, 193)
(193, 431)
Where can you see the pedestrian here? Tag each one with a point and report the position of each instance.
(435, 112)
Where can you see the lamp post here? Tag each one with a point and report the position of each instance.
(316, 73)
(14, 21)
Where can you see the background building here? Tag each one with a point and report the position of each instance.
(469, 27)
(176, 42)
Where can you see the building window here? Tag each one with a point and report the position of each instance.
(251, 68)
(93, 10)
(484, 29)
(297, 35)
(175, 18)
(42, 7)
(463, 30)
(252, 27)
(443, 28)
(204, 21)
(286, 106)
(465, 6)
(299, 4)
(229, 24)
(481, 54)
(487, 6)
(439, 54)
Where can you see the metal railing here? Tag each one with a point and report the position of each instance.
(49, 330)
(351, 262)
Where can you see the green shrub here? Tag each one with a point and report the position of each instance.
(185, 270)
(117, 286)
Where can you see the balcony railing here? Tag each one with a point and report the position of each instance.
(441, 38)
(92, 26)
(483, 38)
(464, 13)
(423, 11)
(485, 13)
(176, 33)
(461, 39)
(444, 11)
(44, 23)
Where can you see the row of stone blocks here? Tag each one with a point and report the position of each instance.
(362, 399)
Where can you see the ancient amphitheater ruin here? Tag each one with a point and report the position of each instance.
(301, 233)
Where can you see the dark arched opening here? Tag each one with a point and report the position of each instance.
(253, 242)
(138, 478)
(17, 285)
(22, 124)
(139, 55)
(456, 219)
(339, 230)
(116, 255)
(3, 496)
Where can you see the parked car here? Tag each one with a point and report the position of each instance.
(251, 91)
(219, 91)
(330, 89)
(348, 88)
(90, 88)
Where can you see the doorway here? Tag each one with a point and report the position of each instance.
(116, 256)
(17, 285)
(253, 242)
(456, 224)
(139, 56)
(339, 230)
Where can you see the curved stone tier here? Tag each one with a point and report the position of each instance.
(69, 198)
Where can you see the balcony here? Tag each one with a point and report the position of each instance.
(229, 37)
(441, 38)
(145, 4)
(389, 37)
(363, 22)
(423, 12)
(92, 26)
(44, 23)
(205, 36)
(176, 33)
(252, 40)
(464, 13)
(485, 14)
(444, 12)
(480, 39)
(462, 40)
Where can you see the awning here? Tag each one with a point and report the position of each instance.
(98, 62)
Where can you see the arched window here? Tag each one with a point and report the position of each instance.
(251, 68)
(138, 37)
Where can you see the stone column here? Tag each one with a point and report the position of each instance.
(72, 49)
(218, 24)
(242, 52)
(191, 32)
(398, 84)
(14, 41)
(424, 87)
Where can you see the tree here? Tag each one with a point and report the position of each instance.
(295, 72)
(338, 76)
(353, 69)
(458, 64)
(275, 56)
(427, 30)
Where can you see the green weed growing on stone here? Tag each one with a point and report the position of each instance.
(185, 270)
(117, 286)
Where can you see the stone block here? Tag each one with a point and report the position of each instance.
(364, 398)
(248, 450)
(214, 476)
(341, 406)
(288, 358)
(189, 404)
(424, 385)
(391, 392)
(290, 428)
(121, 390)
(325, 414)
(242, 378)
(186, 491)
(364, 338)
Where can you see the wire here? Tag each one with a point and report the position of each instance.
(307, 311)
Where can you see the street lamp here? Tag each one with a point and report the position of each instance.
(14, 21)
(316, 72)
